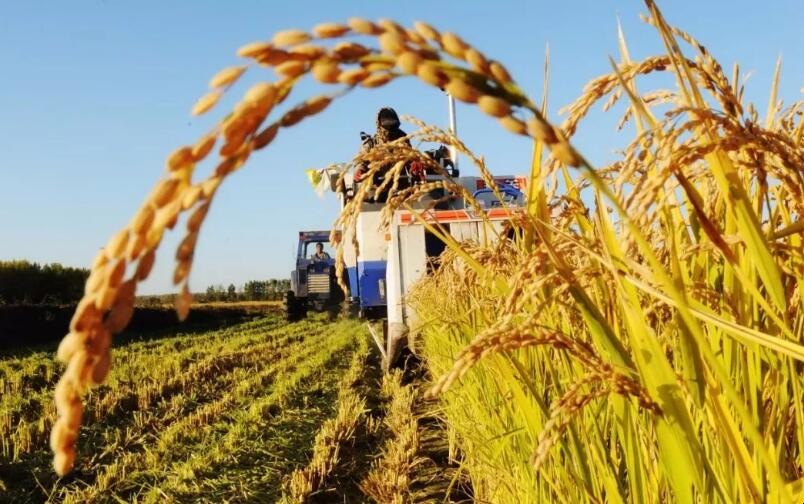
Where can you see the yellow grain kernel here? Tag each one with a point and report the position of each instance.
(513, 125)
(454, 45)
(290, 37)
(499, 72)
(94, 281)
(100, 260)
(197, 217)
(190, 197)
(117, 244)
(106, 296)
(389, 25)
(78, 369)
(253, 49)
(477, 60)
(430, 73)
(63, 462)
(307, 52)
(135, 247)
(261, 95)
(291, 117)
(316, 104)
(119, 317)
(115, 272)
(273, 57)
(164, 192)
(349, 51)
(62, 437)
(183, 302)
(66, 397)
(185, 249)
(203, 147)
(392, 43)
(209, 186)
(565, 154)
(180, 158)
(143, 220)
(226, 76)
(377, 80)
(86, 315)
(69, 345)
(206, 102)
(229, 149)
(363, 26)
(326, 71)
(462, 90)
(153, 237)
(291, 68)
(542, 131)
(330, 30)
(409, 62)
(145, 265)
(493, 106)
(378, 66)
(353, 76)
(101, 369)
(415, 37)
(265, 136)
(426, 31)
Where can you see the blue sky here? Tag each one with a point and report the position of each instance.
(94, 95)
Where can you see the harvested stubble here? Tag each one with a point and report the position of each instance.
(678, 269)
(390, 477)
(334, 434)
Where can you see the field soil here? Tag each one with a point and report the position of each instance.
(254, 411)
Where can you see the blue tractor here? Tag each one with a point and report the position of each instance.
(313, 285)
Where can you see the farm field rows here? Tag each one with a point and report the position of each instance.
(260, 411)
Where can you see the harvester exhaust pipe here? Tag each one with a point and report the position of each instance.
(453, 128)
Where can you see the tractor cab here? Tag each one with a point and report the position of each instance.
(312, 281)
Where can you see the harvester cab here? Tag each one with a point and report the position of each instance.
(313, 285)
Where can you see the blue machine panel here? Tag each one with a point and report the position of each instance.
(369, 276)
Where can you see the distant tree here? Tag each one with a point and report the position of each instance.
(255, 290)
(24, 282)
(232, 292)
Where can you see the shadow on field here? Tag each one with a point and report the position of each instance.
(25, 327)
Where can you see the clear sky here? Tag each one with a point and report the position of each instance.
(94, 94)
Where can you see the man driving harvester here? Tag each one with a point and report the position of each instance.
(388, 130)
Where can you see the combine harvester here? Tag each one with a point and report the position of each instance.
(390, 261)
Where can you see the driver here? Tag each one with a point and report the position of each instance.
(388, 130)
(320, 255)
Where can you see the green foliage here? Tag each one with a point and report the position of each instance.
(24, 282)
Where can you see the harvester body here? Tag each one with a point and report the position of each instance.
(387, 262)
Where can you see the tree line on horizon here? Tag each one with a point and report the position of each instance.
(29, 283)
(24, 282)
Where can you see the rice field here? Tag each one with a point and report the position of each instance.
(260, 411)
(638, 336)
